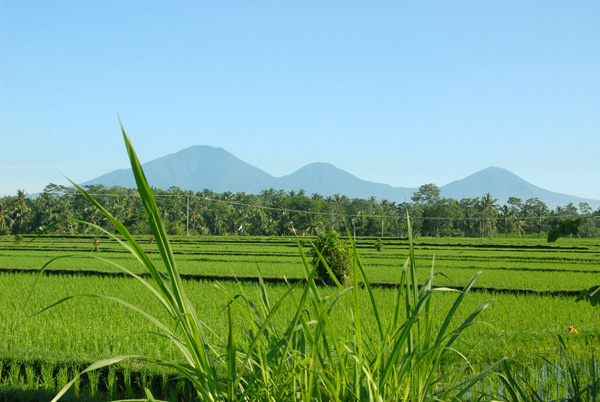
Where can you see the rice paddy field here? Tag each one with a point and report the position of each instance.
(534, 285)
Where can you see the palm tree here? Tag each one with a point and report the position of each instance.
(237, 218)
(19, 212)
(260, 222)
(487, 208)
(5, 219)
(314, 226)
(506, 214)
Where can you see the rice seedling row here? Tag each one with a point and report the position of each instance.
(544, 270)
(525, 323)
(522, 327)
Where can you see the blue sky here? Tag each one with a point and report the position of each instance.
(403, 93)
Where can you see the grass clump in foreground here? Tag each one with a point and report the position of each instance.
(310, 358)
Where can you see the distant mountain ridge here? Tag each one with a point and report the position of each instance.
(505, 184)
(203, 167)
(195, 168)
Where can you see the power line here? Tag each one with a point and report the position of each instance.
(511, 218)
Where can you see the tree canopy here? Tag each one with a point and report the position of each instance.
(277, 212)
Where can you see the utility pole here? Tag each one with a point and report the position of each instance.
(187, 217)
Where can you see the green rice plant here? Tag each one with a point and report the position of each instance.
(516, 388)
(93, 381)
(31, 377)
(164, 385)
(76, 383)
(111, 382)
(578, 389)
(142, 380)
(177, 391)
(47, 374)
(14, 374)
(311, 357)
(127, 383)
(62, 377)
(575, 381)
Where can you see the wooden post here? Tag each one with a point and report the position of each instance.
(187, 217)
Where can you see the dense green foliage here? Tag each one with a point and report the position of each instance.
(332, 258)
(285, 213)
(566, 228)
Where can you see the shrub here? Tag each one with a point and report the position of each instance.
(176, 229)
(330, 251)
(379, 245)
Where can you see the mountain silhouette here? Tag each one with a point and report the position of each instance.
(204, 167)
(503, 184)
(326, 179)
(195, 168)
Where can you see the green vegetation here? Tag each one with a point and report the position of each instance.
(280, 213)
(520, 264)
(389, 337)
(521, 326)
(402, 358)
(571, 228)
(332, 258)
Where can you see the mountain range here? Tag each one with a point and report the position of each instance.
(203, 167)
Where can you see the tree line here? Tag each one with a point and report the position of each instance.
(277, 212)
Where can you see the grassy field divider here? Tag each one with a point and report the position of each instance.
(312, 358)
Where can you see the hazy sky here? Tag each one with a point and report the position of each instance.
(403, 93)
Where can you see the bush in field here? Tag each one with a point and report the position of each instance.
(379, 245)
(336, 255)
(176, 229)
